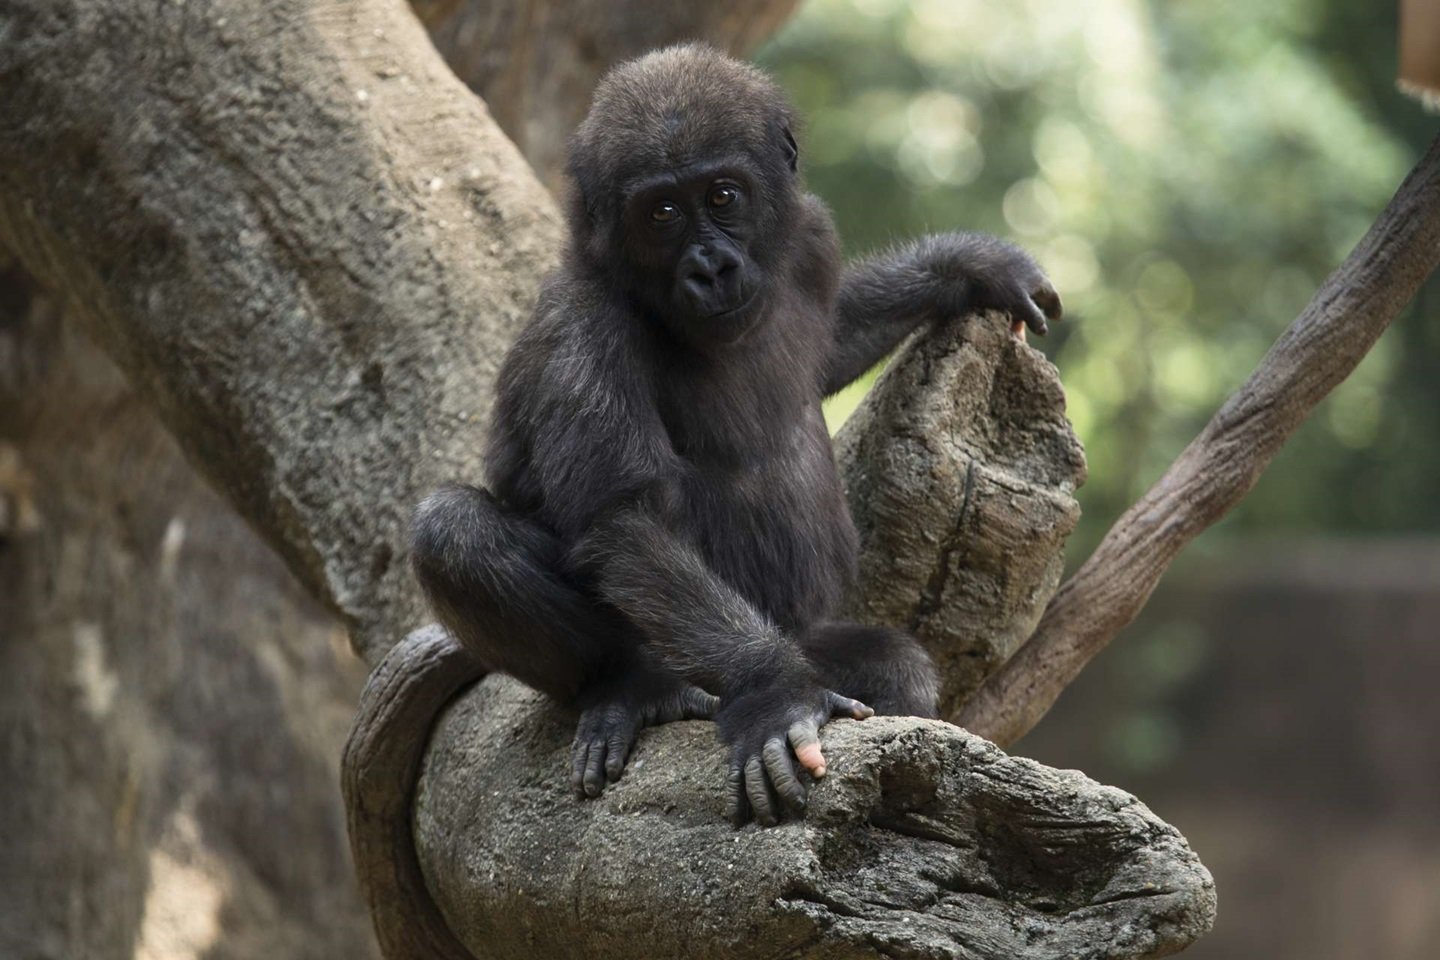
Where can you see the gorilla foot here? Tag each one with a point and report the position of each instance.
(613, 713)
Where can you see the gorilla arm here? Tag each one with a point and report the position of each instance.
(699, 627)
(936, 278)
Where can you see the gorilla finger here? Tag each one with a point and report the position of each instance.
(578, 756)
(617, 752)
(1034, 319)
(757, 791)
(696, 704)
(781, 769)
(1048, 300)
(805, 738)
(842, 706)
(594, 779)
(737, 807)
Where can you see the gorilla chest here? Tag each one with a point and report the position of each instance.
(772, 521)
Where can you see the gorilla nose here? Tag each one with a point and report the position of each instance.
(712, 271)
(712, 279)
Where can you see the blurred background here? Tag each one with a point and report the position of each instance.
(1188, 173)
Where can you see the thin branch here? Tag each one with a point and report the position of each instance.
(1219, 467)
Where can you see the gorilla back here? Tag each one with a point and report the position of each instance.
(667, 536)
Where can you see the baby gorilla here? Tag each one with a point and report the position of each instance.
(665, 536)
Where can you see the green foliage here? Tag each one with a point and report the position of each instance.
(1187, 171)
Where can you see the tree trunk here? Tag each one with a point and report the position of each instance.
(306, 247)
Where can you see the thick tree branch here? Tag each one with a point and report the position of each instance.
(302, 238)
(402, 698)
(536, 61)
(961, 471)
(1219, 467)
(922, 841)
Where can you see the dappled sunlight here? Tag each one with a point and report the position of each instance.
(1187, 173)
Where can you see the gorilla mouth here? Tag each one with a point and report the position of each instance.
(722, 314)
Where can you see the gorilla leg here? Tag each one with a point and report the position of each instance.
(494, 580)
(879, 666)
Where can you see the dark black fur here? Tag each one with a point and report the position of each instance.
(667, 524)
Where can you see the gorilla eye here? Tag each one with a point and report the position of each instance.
(722, 196)
(665, 213)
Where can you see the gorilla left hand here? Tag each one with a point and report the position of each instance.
(763, 727)
(1009, 280)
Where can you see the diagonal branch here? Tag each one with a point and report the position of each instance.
(302, 239)
(1219, 467)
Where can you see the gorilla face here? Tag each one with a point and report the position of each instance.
(691, 236)
(685, 176)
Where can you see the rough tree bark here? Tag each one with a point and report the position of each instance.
(961, 470)
(305, 246)
(922, 841)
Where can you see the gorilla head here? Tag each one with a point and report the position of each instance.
(685, 189)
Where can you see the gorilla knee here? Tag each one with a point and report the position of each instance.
(492, 580)
(448, 526)
(883, 667)
(908, 678)
(469, 555)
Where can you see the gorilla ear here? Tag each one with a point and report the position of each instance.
(792, 152)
